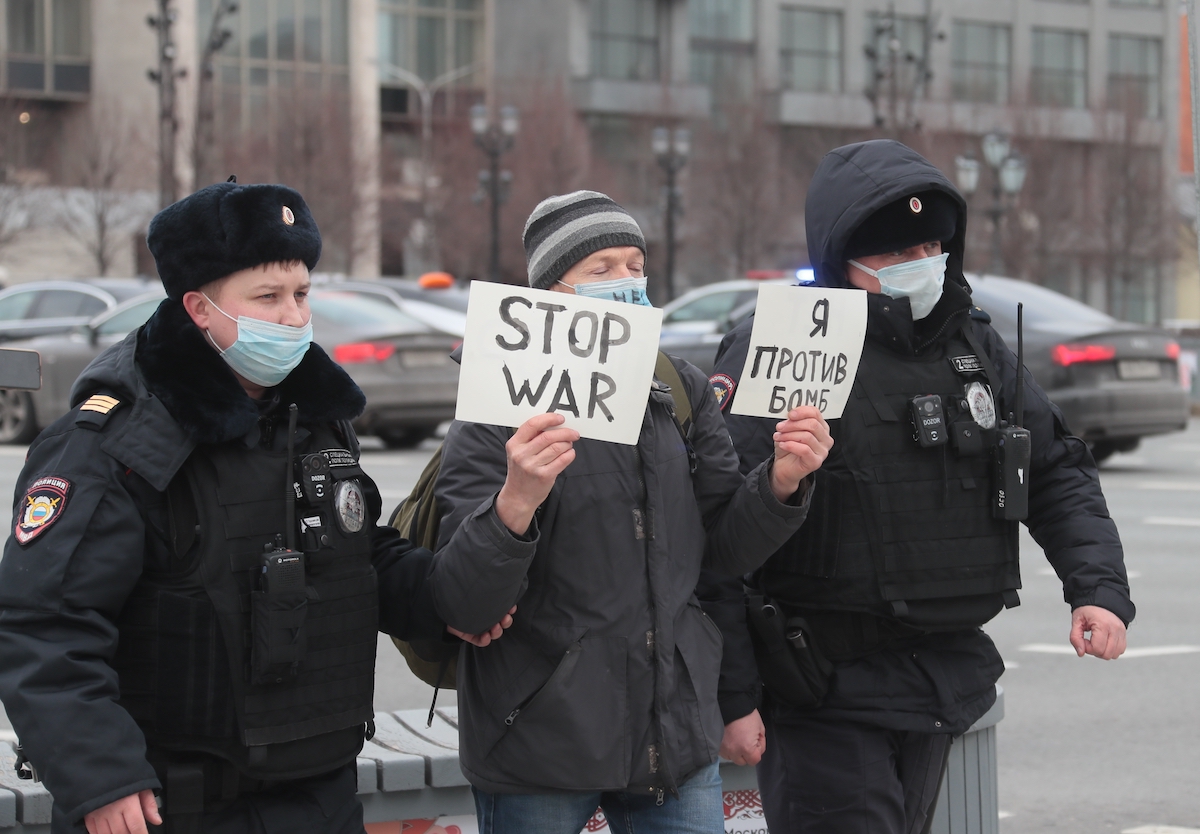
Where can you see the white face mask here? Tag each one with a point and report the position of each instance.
(919, 281)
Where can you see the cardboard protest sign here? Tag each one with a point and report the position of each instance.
(804, 350)
(528, 352)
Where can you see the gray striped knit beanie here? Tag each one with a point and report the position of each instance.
(564, 230)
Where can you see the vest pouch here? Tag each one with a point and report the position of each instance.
(792, 668)
(278, 637)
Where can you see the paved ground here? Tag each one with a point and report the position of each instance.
(1086, 746)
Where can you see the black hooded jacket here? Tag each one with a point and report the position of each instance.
(62, 592)
(949, 683)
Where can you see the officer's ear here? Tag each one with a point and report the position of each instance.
(198, 308)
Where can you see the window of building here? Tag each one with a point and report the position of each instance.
(980, 54)
(283, 54)
(48, 47)
(722, 45)
(624, 39)
(1058, 76)
(897, 52)
(1135, 75)
(810, 50)
(430, 38)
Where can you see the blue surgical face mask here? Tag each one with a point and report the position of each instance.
(919, 281)
(630, 290)
(264, 352)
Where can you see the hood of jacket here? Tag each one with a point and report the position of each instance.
(169, 359)
(853, 182)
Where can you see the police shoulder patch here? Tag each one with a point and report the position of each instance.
(722, 385)
(42, 505)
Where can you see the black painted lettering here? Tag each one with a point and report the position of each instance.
(785, 359)
(796, 399)
(828, 366)
(597, 398)
(526, 393)
(760, 350)
(777, 398)
(800, 362)
(812, 397)
(607, 340)
(564, 390)
(516, 324)
(840, 376)
(573, 333)
(820, 317)
(550, 309)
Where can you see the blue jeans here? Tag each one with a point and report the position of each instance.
(698, 810)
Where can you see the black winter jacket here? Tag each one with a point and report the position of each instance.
(948, 683)
(62, 592)
(607, 679)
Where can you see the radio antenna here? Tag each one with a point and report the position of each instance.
(1020, 364)
(291, 482)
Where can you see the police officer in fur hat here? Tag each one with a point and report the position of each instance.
(191, 594)
(866, 624)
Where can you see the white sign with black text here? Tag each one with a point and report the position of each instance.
(529, 352)
(804, 350)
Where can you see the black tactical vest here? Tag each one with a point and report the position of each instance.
(897, 530)
(277, 681)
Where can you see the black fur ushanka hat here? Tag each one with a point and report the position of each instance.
(225, 228)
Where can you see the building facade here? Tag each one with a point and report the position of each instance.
(363, 103)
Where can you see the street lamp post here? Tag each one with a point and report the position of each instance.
(494, 140)
(672, 154)
(1008, 177)
(425, 91)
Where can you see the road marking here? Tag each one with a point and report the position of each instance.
(1147, 651)
(1166, 521)
(14, 451)
(1172, 486)
(1185, 447)
(1160, 829)
(1005, 814)
(1011, 664)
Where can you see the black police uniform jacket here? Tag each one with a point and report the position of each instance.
(904, 534)
(92, 524)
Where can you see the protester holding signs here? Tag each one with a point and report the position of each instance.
(603, 692)
(910, 544)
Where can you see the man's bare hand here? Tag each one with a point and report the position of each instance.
(802, 443)
(745, 740)
(127, 815)
(488, 636)
(537, 452)
(1107, 639)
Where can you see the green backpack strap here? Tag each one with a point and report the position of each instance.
(417, 518)
(665, 370)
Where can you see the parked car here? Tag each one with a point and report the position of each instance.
(1115, 382)
(695, 323)
(401, 364)
(64, 356)
(35, 308)
(444, 294)
(439, 317)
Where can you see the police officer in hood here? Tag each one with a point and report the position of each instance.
(190, 597)
(877, 658)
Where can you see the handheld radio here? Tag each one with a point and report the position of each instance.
(1010, 496)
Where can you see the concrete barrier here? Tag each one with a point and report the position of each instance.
(410, 772)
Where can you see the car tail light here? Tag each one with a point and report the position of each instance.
(1172, 350)
(356, 353)
(1066, 355)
